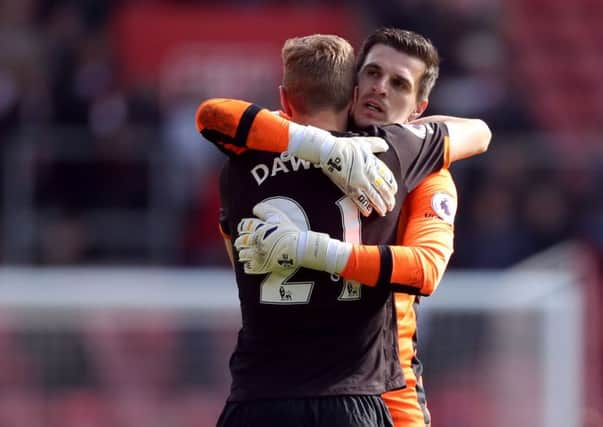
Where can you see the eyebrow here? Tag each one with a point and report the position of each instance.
(371, 65)
(404, 79)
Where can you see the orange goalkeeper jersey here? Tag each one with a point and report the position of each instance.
(426, 222)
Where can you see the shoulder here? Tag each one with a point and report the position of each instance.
(438, 182)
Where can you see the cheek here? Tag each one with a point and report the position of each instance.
(362, 88)
(402, 107)
(405, 102)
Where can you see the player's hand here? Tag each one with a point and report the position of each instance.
(268, 243)
(353, 167)
(272, 242)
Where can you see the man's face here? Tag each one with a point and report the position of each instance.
(387, 87)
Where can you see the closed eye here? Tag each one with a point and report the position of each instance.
(372, 71)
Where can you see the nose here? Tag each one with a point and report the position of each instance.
(379, 87)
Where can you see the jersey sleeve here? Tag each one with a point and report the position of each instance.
(425, 237)
(235, 126)
(421, 149)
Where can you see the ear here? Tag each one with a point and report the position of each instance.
(285, 104)
(419, 109)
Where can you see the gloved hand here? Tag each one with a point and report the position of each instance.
(350, 163)
(272, 242)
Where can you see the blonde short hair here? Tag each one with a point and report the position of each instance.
(318, 72)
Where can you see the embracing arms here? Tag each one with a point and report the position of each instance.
(415, 264)
(235, 126)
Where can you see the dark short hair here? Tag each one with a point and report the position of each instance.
(412, 44)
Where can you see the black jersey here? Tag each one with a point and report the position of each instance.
(311, 333)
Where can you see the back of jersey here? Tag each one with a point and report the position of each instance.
(309, 333)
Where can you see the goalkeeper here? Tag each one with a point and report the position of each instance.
(331, 255)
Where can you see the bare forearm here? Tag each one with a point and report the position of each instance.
(468, 137)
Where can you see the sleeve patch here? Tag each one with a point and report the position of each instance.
(444, 205)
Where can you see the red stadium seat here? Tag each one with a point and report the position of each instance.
(80, 408)
(138, 407)
(134, 356)
(195, 408)
(559, 59)
(22, 409)
(16, 369)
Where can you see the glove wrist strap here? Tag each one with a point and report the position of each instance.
(309, 142)
(319, 252)
(338, 254)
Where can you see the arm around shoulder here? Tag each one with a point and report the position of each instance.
(416, 264)
(468, 137)
(235, 126)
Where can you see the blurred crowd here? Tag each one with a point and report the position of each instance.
(100, 165)
(100, 169)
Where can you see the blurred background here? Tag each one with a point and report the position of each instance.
(116, 304)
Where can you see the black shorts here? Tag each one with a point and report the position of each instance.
(330, 411)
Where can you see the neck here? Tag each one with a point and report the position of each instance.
(326, 119)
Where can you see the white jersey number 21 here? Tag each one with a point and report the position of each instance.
(278, 288)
